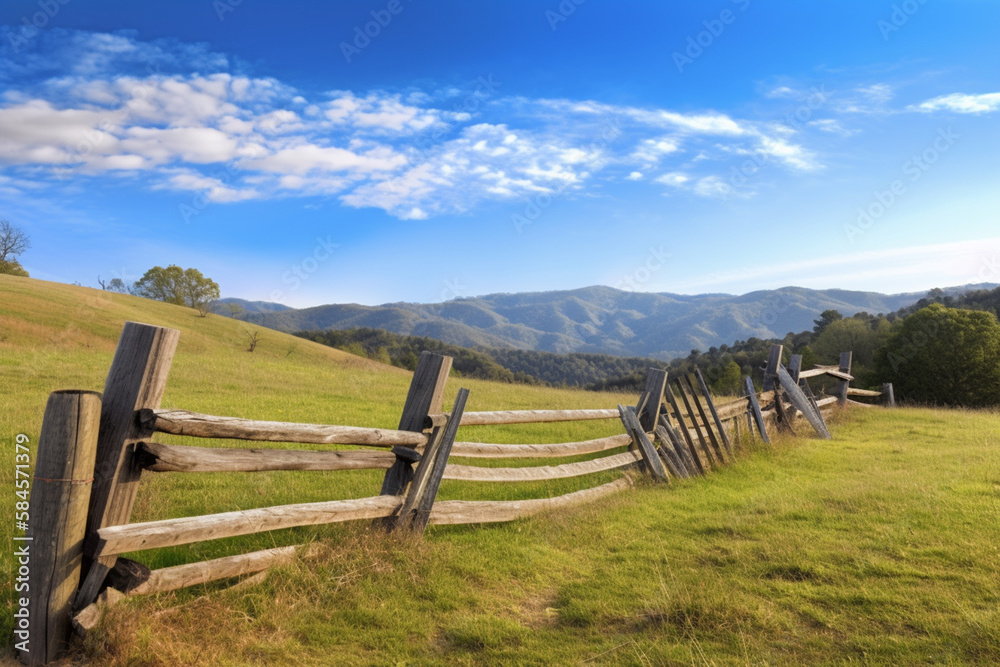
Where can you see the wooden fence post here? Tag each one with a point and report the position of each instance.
(53, 545)
(715, 414)
(709, 454)
(717, 446)
(647, 408)
(425, 397)
(416, 509)
(795, 367)
(679, 447)
(674, 463)
(755, 409)
(135, 381)
(649, 456)
(685, 433)
(845, 367)
(771, 372)
(799, 400)
(888, 398)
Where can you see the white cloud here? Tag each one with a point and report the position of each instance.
(962, 103)
(830, 125)
(114, 104)
(674, 178)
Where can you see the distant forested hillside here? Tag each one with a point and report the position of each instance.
(595, 320)
(723, 366)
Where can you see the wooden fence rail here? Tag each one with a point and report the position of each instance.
(674, 431)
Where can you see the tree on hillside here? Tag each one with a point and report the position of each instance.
(183, 287)
(944, 356)
(13, 242)
(851, 334)
(730, 380)
(826, 318)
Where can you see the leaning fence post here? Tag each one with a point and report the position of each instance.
(425, 397)
(710, 456)
(649, 456)
(800, 401)
(704, 419)
(845, 367)
(135, 381)
(715, 414)
(692, 450)
(57, 518)
(771, 372)
(647, 408)
(755, 409)
(416, 509)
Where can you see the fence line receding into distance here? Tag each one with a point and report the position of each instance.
(94, 448)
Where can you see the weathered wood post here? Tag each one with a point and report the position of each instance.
(795, 367)
(674, 463)
(710, 456)
(888, 398)
(716, 444)
(845, 367)
(416, 509)
(654, 465)
(425, 397)
(647, 408)
(692, 450)
(57, 519)
(135, 381)
(755, 409)
(682, 452)
(715, 414)
(771, 371)
(799, 400)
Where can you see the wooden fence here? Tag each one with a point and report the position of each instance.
(93, 450)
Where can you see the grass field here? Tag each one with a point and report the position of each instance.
(879, 547)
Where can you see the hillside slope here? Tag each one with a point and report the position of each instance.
(598, 319)
(876, 547)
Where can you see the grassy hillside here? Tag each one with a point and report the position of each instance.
(879, 547)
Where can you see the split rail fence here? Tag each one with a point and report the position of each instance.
(94, 448)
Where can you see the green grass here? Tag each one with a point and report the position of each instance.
(879, 547)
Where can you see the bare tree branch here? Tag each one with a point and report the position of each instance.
(13, 241)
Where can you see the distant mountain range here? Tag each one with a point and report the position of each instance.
(593, 319)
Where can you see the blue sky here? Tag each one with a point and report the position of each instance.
(411, 150)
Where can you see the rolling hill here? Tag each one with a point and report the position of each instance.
(597, 319)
